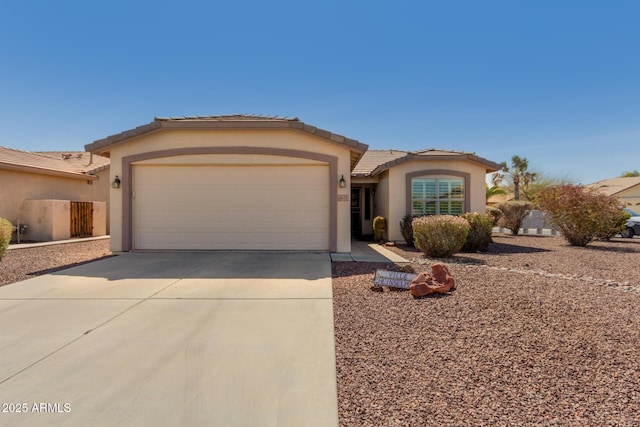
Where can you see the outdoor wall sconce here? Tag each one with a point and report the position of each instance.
(343, 183)
(116, 183)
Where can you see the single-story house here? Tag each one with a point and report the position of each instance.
(627, 190)
(57, 195)
(257, 182)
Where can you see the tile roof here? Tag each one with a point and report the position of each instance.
(232, 121)
(77, 167)
(229, 117)
(81, 161)
(371, 159)
(615, 185)
(380, 160)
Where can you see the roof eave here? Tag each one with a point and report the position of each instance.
(45, 171)
(98, 169)
(103, 146)
(488, 165)
(631, 187)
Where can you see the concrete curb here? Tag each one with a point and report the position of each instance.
(367, 252)
(56, 242)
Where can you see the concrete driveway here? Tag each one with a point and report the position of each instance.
(172, 339)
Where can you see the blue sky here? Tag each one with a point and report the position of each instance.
(554, 81)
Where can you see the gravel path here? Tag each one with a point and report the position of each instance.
(507, 347)
(22, 264)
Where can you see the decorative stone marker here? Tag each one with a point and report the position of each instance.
(439, 281)
(393, 279)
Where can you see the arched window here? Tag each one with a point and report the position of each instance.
(437, 196)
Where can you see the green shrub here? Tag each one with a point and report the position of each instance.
(379, 226)
(580, 214)
(407, 229)
(495, 213)
(6, 228)
(513, 214)
(440, 236)
(480, 230)
(613, 224)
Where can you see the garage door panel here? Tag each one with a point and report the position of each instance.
(247, 241)
(214, 207)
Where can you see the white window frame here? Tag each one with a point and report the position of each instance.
(440, 195)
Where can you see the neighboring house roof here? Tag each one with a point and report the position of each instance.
(81, 161)
(234, 121)
(25, 161)
(380, 160)
(500, 198)
(614, 186)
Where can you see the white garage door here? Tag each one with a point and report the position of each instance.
(283, 207)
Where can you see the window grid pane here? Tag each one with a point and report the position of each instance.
(430, 208)
(443, 189)
(429, 189)
(457, 191)
(418, 208)
(437, 196)
(417, 190)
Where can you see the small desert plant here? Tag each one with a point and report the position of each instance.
(440, 236)
(580, 214)
(495, 213)
(407, 229)
(480, 229)
(6, 228)
(379, 226)
(513, 214)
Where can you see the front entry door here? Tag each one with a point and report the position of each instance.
(356, 226)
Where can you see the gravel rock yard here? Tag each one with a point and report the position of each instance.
(536, 333)
(22, 264)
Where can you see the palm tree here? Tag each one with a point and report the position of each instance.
(494, 190)
(517, 173)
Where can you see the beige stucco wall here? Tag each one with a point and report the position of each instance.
(355, 180)
(19, 186)
(229, 160)
(395, 207)
(630, 198)
(100, 218)
(47, 219)
(381, 198)
(281, 139)
(101, 194)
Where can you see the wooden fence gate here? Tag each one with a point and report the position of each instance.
(81, 219)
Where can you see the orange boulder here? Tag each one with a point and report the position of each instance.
(439, 281)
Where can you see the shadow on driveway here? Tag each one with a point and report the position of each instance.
(203, 265)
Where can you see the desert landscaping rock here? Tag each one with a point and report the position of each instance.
(22, 264)
(507, 347)
(439, 281)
